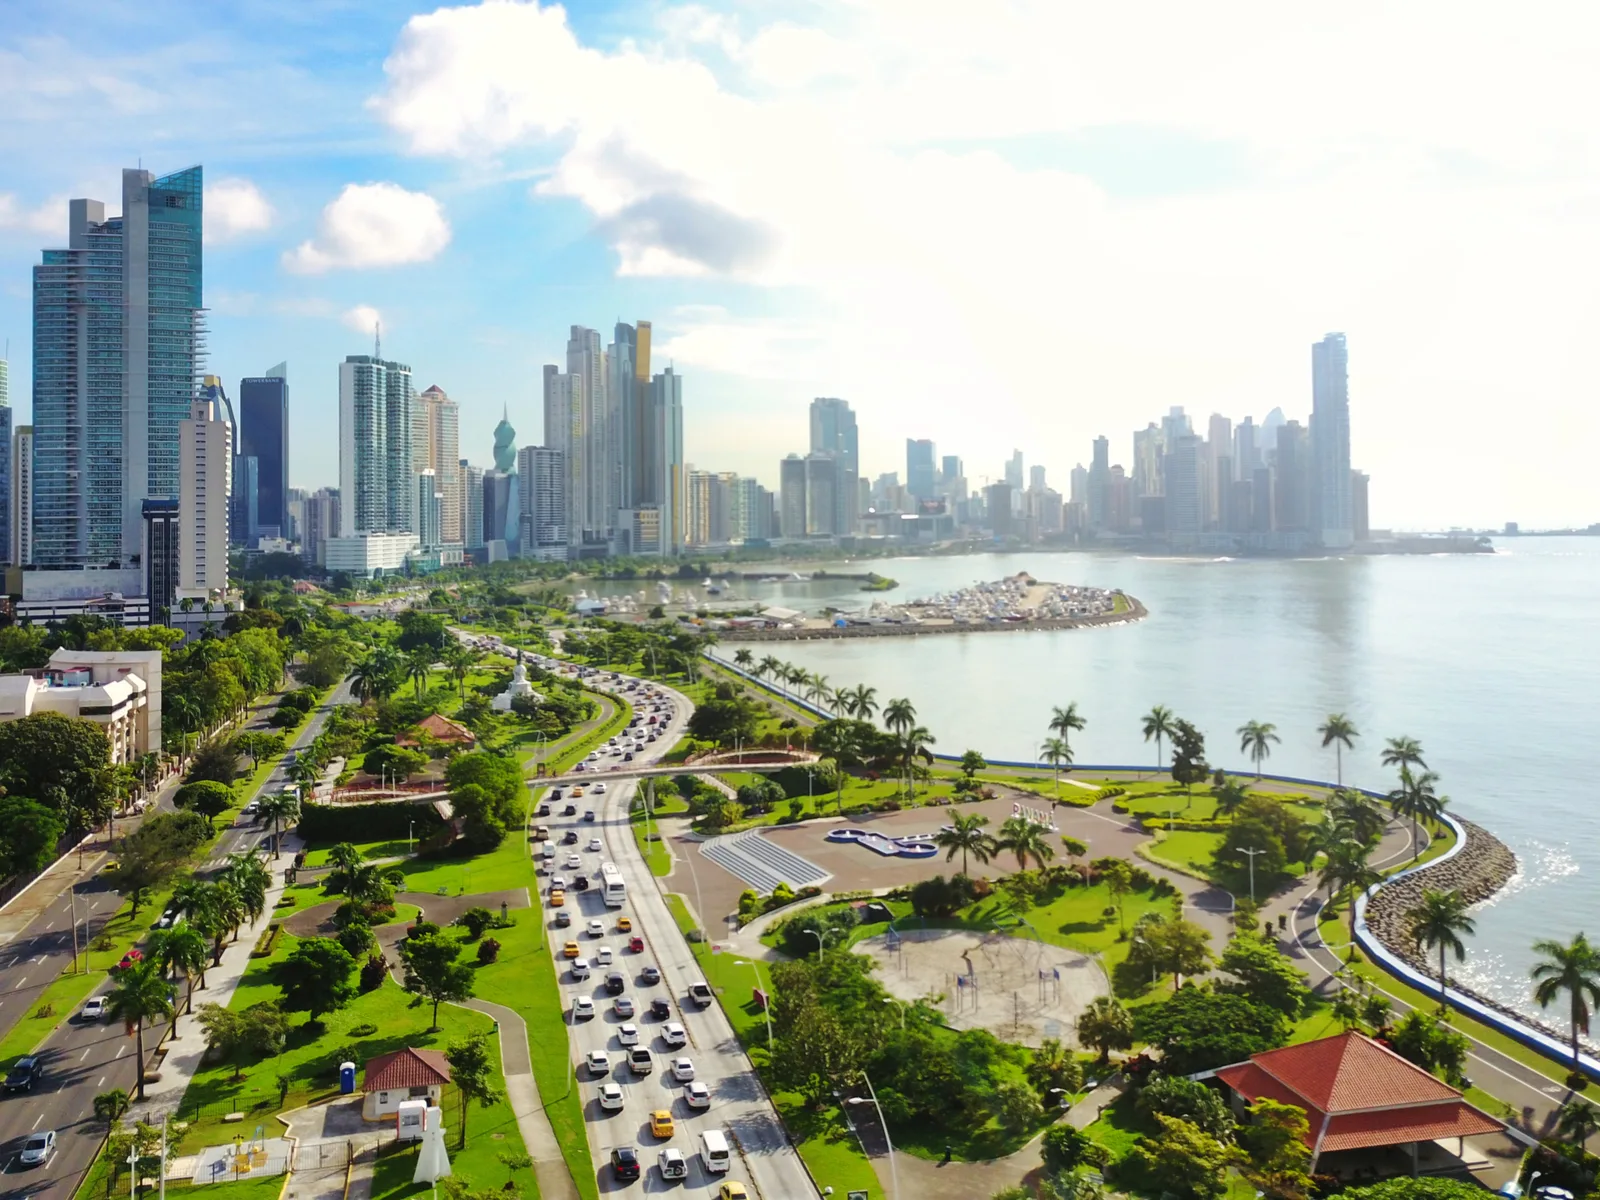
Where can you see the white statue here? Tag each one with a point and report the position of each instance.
(519, 686)
(433, 1163)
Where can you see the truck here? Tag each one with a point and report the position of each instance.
(612, 886)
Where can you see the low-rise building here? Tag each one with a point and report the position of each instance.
(407, 1074)
(118, 690)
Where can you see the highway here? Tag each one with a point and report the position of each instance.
(81, 1060)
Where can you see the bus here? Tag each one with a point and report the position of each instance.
(612, 886)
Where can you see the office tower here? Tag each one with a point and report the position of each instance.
(377, 483)
(646, 454)
(622, 420)
(264, 436)
(1219, 445)
(1036, 479)
(436, 445)
(1099, 481)
(822, 484)
(1246, 455)
(118, 341)
(1174, 426)
(205, 488)
(1360, 520)
(997, 498)
(1261, 500)
(501, 521)
(1149, 447)
(1078, 486)
(1267, 437)
(244, 524)
(1241, 499)
(1291, 478)
(792, 496)
(1332, 522)
(920, 478)
(950, 470)
(544, 534)
(1182, 470)
(833, 431)
(322, 523)
(754, 508)
(162, 555)
(22, 496)
(1119, 500)
(586, 364)
(1221, 468)
(8, 505)
(1014, 470)
(430, 510)
(505, 445)
(563, 434)
(471, 503)
(666, 402)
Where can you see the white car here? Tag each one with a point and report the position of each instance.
(596, 929)
(600, 789)
(599, 1062)
(558, 883)
(574, 863)
(95, 1009)
(582, 1008)
(611, 1097)
(628, 1035)
(594, 845)
(38, 1148)
(673, 1034)
(602, 956)
(697, 1095)
(683, 1069)
(672, 1163)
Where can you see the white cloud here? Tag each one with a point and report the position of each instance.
(234, 207)
(1049, 220)
(373, 225)
(46, 219)
(363, 318)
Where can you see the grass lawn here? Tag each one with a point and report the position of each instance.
(1185, 850)
(1119, 1126)
(383, 848)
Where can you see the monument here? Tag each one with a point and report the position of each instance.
(433, 1163)
(518, 687)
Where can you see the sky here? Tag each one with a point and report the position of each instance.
(1004, 226)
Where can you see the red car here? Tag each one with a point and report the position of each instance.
(636, 944)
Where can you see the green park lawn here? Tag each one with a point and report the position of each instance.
(1185, 850)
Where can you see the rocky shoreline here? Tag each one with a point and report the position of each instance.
(1135, 612)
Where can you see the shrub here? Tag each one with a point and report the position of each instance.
(363, 1030)
(941, 897)
(476, 921)
(372, 973)
(266, 942)
(488, 951)
(1064, 1147)
(1188, 1100)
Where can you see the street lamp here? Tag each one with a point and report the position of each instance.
(1252, 854)
(766, 1006)
(821, 949)
(894, 1173)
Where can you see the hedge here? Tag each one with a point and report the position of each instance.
(367, 822)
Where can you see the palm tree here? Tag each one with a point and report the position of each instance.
(743, 658)
(1577, 1121)
(306, 774)
(1026, 840)
(1055, 751)
(184, 949)
(1066, 721)
(913, 744)
(1255, 739)
(1159, 723)
(1347, 868)
(817, 690)
(250, 879)
(459, 659)
(344, 858)
(1106, 1026)
(796, 677)
(1402, 752)
(1338, 731)
(371, 679)
(1356, 810)
(1230, 795)
(418, 666)
(862, 702)
(1417, 800)
(1439, 920)
(769, 666)
(281, 808)
(1575, 970)
(140, 995)
(365, 885)
(190, 897)
(899, 715)
(966, 834)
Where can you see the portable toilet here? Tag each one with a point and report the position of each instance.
(347, 1078)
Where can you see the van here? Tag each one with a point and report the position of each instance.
(547, 849)
(714, 1152)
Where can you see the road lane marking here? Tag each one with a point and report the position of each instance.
(102, 1080)
(123, 1049)
(36, 1121)
(85, 1053)
(19, 983)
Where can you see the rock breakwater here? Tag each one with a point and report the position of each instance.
(1482, 868)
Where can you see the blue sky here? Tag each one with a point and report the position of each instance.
(1019, 229)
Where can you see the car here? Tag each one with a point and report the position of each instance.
(563, 919)
(623, 1006)
(732, 1190)
(541, 833)
(672, 1163)
(588, 813)
(598, 1062)
(542, 811)
(558, 883)
(250, 810)
(577, 794)
(557, 898)
(602, 956)
(697, 1095)
(569, 838)
(628, 1035)
(594, 846)
(580, 883)
(581, 767)
(660, 1008)
(651, 975)
(38, 1148)
(673, 1034)
(595, 929)
(701, 993)
(600, 789)
(615, 983)
(661, 1125)
(683, 1069)
(611, 1097)
(94, 1009)
(570, 950)
(641, 1061)
(636, 944)
(573, 862)
(624, 924)
(570, 810)
(24, 1074)
(625, 1164)
(628, 757)
(580, 969)
(582, 1007)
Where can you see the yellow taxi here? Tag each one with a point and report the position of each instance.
(577, 793)
(624, 925)
(557, 898)
(570, 950)
(732, 1190)
(661, 1123)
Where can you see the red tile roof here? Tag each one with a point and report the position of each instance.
(1425, 1124)
(406, 1068)
(445, 730)
(1352, 1073)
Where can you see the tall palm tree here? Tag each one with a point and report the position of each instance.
(743, 658)
(966, 834)
(899, 715)
(1347, 869)
(1159, 723)
(817, 691)
(1402, 752)
(1417, 800)
(863, 702)
(1577, 1121)
(280, 808)
(1338, 731)
(306, 773)
(1575, 970)
(419, 665)
(796, 677)
(1026, 840)
(1230, 795)
(913, 745)
(373, 677)
(1055, 751)
(140, 995)
(250, 879)
(769, 666)
(1357, 810)
(1064, 722)
(1440, 920)
(184, 949)
(1255, 739)
(459, 660)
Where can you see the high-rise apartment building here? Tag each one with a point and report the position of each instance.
(1036, 481)
(430, 505)
(563, 434)
(502, 508)
(921, 480)
(833, 431)
(666, 401)
(792, 497)
(377, 478)
(1099, 482)
(118, 342)
(1182, 470)
(244, 524)
(436, 444)
(471, 503)
(543, 531)
(586, 364)
(1149, 447)
(205, 490)
(622, 421)
(21, 451)
(162, 555)
(1360, 518)
(1246, 451)
(822, 486)
(950, 469)
(264, 436)
(1332, 521)
(997, 499)
(1219, 446)
(322, 523)
(8, 504)
(1291, 479)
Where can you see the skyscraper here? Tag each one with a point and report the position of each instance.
(544, 534)
(377, 482)
(1291, 479)
(1246, 451)
(563, 433)
(1099, 482)
(586, 363)
(1332, 522)
(833, 431)
(1219, 446)
(264, 436)
(430, 504)
(322, 523)
(205, 490)
(666, 401)
(21, 451)
(921, 481)
(118, 339)
(1182, 469)
(792, 497)
(949, 469)
(471, 503)
(822, 490)
(8, 505)
(1014, 470)
(1360, 520)
(437, 448)
(622, 422)
(1149, 447)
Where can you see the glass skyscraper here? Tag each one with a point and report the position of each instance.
(377, 482)
(1331, 518)
(118, 343)
(264, 436)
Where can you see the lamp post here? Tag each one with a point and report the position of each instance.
(766, 1010)
(821, 949)
(894, 1173)
(1252, 854)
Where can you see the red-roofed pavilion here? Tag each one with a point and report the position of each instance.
(1357, 1095)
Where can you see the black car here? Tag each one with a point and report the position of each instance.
(660, 1008)
(580, 883)
(588, 814)
(544, 810)
(625, 1164)
(569, 838)
(615, 983)
(24, 1075)
(570, 810)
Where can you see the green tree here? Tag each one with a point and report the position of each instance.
(207, 797)
(1428, 1188)
(419, 665)
(1170, 945)
(1275, 1140)
(899, 715)
(1105, 1026)
(1428, 1041)
(1338, 731)
(398, 763)
(1053, 1067)
(1417, 800)
(1159, 723)
(1271, 859)
(1027, 840)
(1229, 794)
(1197, 1030)
(1189, 765)
(1256, 739)
(60, 762)
(1264, 975)
(1057, 753)
(913, 747)
(1402, 752)
(1572, 969)
(1577, 1121)
(140, 995)
(1064, 722)
(216, 761)
(283, 810)
(29, 833)
(966, 834)
(315, 978)
(472, 1071)
(971, 763)
(235, 1035)
(109, 1106)
(1180, 1160)
(1439, 921)
(432, 970)
(1063, 1148)
(1187, 1100)
(1118, 878)
(1347, 869)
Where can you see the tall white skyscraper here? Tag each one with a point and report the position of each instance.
(564, 434)
(666, 398)
(205, 487)
(377, 471)
(1331, 515)
(437, 448)
(586, 361)
(544, 475)
(471, 503)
